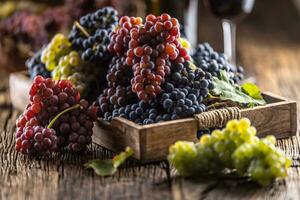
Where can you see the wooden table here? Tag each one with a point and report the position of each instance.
(273, 58)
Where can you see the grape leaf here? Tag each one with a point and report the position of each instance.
(252, 90)
(110, 166)
(228, 91)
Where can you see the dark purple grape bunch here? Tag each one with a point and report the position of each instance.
(185, 90)
(207, 59)
(119, 72)
(119, 92)
(182, 96)
(36, 140)
(91, 34)
(138, 112)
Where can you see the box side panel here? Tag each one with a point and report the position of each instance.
(19, 85)
(159, 138)
(117, 139)
(272, 98)
(275, 119)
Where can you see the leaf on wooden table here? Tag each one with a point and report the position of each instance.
(109, 167)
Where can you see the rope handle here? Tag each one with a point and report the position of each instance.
(217, 118)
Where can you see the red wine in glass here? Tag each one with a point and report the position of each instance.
(230, 11)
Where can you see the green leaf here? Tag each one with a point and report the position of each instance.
(228, 91)
(101, 167)
(121, 158)
(252, 90)
(109, 167)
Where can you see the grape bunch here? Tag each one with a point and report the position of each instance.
(150, 78)
(210, 61)
(181, 97)
(91, 34)
(55, 105)
(139, 112)
(119, 73)
(36, 140)
(184, 90)
(118, 91)
(121, 35)
(58, 47)
(70, 67)
(236, 147)
(75, 128)
(149, 48)
(36, 67)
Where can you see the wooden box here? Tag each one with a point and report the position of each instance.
(151, 142)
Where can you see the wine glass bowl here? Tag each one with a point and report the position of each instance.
(230, 9)
(231, 12)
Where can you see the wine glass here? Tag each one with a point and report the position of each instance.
(231, 12)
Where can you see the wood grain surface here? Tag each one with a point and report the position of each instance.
(272, 55)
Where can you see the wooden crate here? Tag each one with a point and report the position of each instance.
(19, 85)
(151, 142)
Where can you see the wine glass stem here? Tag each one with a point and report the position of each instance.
(229, 32)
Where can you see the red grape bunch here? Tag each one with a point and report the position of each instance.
(147, 48)
(57, 106)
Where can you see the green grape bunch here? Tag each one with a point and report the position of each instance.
(66, 64)
(70, 67)
(59, 46)
(261, 160)
(236, 147)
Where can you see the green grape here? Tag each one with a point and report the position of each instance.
(58, 47)
(183, 156)
(236, 147)
(70, 67)
(266, 163)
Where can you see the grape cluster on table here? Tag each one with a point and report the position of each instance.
(236, 147)
(72, 130)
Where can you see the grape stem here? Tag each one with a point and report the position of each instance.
(81, 28)
(61, 113)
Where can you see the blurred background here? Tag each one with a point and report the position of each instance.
(272, 29)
